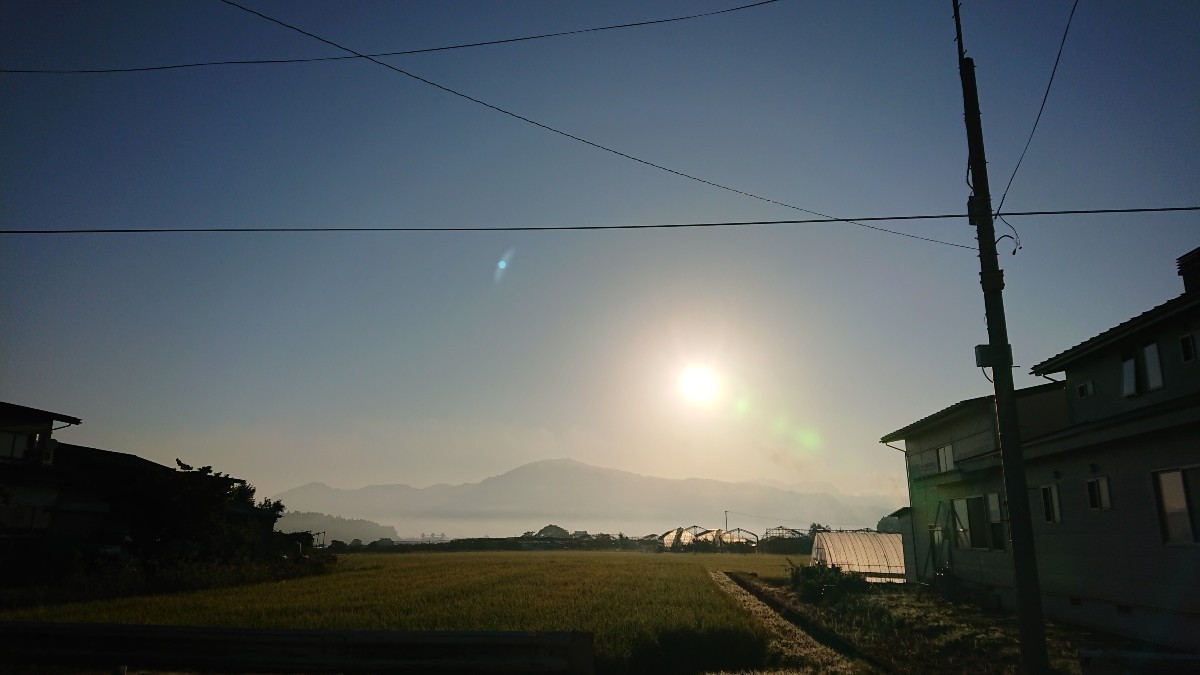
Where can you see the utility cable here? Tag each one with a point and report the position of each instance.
(245, 62)
(574, 137)
(1041, 108)
(577, 228)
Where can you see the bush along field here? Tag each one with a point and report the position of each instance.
(909, 631)
(178, 530)
(648, 613)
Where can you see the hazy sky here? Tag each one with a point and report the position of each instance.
(366, 358)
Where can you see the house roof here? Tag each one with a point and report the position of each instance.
(11, 413)
(902, 433)
(1171, 308)
(93, 460)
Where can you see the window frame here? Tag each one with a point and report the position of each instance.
(978, 522)
(1129, 387)
(945, 458)
(997, 537)
(1189, 511)
(1051, 506)
(1152, 366)
(1099, 499)
(14, 445)
(1141, 370)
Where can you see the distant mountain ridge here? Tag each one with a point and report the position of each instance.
(580, 495)
(334, 527)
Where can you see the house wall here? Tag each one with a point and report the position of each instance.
(1110, 569)
(1043, 412)
(970, 433)
(1104, 568)
(1104, 373)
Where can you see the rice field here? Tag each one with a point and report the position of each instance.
(647, 611)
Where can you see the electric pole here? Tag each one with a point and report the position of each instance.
(998, 355)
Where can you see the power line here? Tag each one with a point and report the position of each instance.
(584, 228)
(574, 137)
(245, 62)
(1041, 108)
(773, 519)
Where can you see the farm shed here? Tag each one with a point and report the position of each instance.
(878, 555)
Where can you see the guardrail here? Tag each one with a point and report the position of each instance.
(118, 646)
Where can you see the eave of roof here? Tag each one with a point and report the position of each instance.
(900, 434)
(1168, 309)
(14, 411)
(81, 456)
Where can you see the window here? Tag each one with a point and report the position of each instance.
(1153, 367)
(1178, 493)
(945, 456)
(977, 522)
(13, 445)
(1085, 389)
(1050, 507)
(1097, 489)
(1129, 377)
(1187, 348)
(962, 523)
(1141, 371)
(922, 464)
(995, 522)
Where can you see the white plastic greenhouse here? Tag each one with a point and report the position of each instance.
(878, 555)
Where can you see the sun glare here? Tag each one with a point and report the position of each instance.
(698, 384)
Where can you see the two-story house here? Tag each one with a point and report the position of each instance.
(58, 497)
(1113, 467)
(26, 449)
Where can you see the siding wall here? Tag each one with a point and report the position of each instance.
(1104, 371)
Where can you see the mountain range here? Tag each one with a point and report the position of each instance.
(579, 496)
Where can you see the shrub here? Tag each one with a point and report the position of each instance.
(821, 583)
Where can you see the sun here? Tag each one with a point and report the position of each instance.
(698, 384)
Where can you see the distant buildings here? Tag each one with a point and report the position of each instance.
(1113, 465)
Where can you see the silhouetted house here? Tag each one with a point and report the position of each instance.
(1113, 466)
(27, 449)
(58, 496)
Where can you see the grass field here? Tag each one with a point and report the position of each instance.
(647, 611)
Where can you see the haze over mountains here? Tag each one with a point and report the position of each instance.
(579, 496)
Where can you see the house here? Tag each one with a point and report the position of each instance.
(26, 450)
(60, 499)
(1112, 459)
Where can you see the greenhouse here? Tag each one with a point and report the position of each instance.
(878, 555)
(683, 537)
(679, 537)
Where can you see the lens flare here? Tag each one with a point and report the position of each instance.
(502, 265)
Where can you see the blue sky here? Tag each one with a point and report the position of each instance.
(366, 358)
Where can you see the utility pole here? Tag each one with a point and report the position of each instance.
(998, 355)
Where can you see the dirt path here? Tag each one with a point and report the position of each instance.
(800, 653)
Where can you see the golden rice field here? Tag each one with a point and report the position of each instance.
(647, 611)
